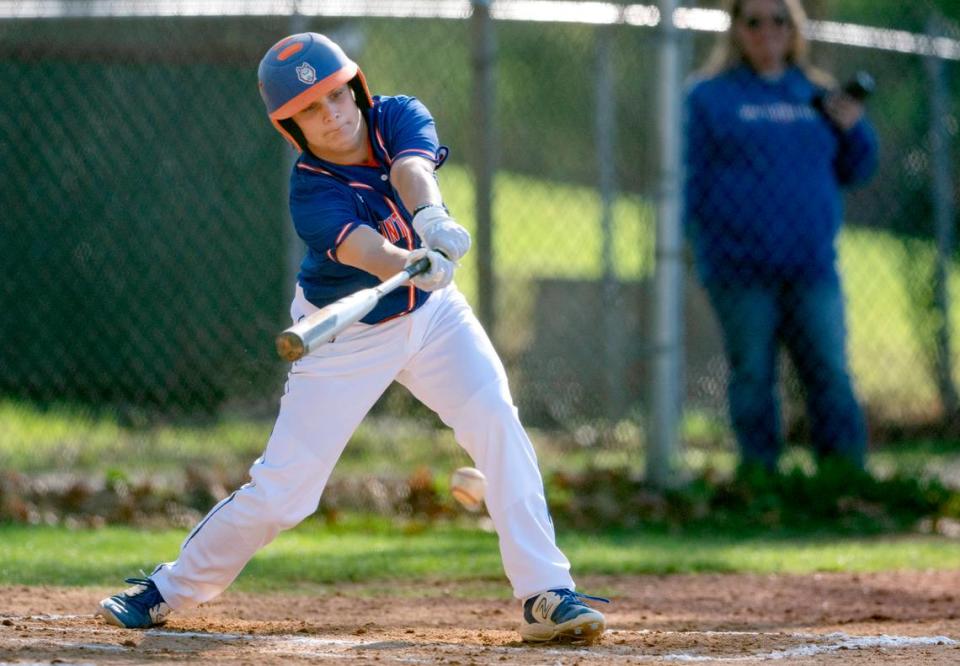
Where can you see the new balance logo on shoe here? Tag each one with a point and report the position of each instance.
(545, 604)
(561, 615)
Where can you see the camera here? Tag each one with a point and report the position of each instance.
(860, 87)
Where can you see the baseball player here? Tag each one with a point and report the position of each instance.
(365, 200)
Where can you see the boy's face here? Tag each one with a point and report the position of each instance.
(333, 125)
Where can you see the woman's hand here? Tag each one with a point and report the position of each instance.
(843, 110)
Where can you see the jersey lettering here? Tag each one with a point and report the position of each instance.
(392, 228)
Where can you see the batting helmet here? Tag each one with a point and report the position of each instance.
(300, 69)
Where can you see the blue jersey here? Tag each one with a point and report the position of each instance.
(764, 176)
(328, 201)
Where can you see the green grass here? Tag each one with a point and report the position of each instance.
(368, 550)
(72, 437)
(36, 439)
(549, 229)
(890, 338)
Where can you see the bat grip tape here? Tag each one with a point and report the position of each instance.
(418, 267)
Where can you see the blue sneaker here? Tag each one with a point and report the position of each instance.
(561, 615)
(138, 607)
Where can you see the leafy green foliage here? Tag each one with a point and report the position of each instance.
(836, 498)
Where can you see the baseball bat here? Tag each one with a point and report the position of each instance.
(329, 321)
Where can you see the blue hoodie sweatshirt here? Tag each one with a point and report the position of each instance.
(764, 172)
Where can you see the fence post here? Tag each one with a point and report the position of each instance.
(483, 157)
(941, 184)
(605, 116)
(668, 277)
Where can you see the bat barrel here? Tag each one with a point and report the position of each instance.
(325, 324)
(297, 341)
(290, 346)
(328, 322)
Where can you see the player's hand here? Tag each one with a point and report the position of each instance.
(843, 110)
(440, 273)
(441, 232)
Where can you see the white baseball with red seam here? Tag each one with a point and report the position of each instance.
(467, 485)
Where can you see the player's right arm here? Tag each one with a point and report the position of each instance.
(368, 251)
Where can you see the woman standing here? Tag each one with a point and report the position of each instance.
(770, 144)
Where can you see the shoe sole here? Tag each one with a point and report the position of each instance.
(584, 629)
(104, 613)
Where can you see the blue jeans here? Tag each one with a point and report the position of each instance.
(808, 320)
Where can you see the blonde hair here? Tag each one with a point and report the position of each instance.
(727, 54)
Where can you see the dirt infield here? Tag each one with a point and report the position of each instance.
(894, 617)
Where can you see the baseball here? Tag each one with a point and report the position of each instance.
(467, 486)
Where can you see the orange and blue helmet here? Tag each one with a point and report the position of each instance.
(300, 69)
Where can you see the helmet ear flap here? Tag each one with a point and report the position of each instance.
(294, 133)
(361, 92)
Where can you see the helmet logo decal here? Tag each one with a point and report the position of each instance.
(307, 74)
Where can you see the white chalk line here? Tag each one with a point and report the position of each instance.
(42, 618)
(307, 646)
(834, 642)
(841, 641)
(46, 663)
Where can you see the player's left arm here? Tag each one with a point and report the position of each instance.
(413, 177)
(410, 136)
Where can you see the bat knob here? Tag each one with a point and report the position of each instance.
(290, 346)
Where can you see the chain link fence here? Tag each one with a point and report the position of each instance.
(150, 260)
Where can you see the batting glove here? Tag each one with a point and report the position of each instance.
(441, 232)
(440, 273)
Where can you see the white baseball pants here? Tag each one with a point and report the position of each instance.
(443, 356)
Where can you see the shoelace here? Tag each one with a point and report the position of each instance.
(581, 595)
(137, 586)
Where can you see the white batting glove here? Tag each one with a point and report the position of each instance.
(441, 232)
(440, 273)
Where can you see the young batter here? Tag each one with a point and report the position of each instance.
(365, 200)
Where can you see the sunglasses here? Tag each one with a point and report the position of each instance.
(757, 22)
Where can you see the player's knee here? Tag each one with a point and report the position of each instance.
(491, 406)
(286, 515)
(290, 508)
(489, 429)
(281, 511)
